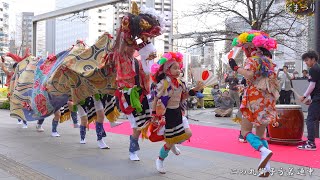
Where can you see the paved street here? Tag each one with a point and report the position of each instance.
(27, 154)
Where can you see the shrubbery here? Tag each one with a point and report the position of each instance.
(5, 105)
(3, 92)
(208, 104)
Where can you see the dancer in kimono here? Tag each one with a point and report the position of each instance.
(260, 95)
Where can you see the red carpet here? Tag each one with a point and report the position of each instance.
(225, 140)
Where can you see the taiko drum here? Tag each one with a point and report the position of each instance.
(290, 126)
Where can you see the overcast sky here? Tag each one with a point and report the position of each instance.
(185, 24)
(36, 6)
(42, 6)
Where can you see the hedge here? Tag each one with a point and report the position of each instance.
(5, 105)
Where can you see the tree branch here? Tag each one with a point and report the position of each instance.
(264, 14)
(218, 8)
(249, 11)
(267, 16)
(254, 14)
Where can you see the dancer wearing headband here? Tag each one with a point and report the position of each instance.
(261, 93)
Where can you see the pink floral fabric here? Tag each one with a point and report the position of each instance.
(258, 106)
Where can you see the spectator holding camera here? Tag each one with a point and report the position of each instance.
(285, 84)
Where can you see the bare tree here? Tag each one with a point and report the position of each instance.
(267, 15)
(218, 69)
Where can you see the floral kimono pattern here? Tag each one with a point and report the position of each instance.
(259, 99)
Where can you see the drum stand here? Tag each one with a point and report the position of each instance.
(287, 142)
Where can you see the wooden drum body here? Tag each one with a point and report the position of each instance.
(291, 125)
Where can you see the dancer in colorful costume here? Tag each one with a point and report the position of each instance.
(133, 101)
(43, 86)
(94, 109)
(55, 120)
(132, 75)
(9, 76)
(259, 99)
(168, 104)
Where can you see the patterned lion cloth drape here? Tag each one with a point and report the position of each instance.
(42, 86)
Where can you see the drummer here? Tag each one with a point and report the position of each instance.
(311, 60)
